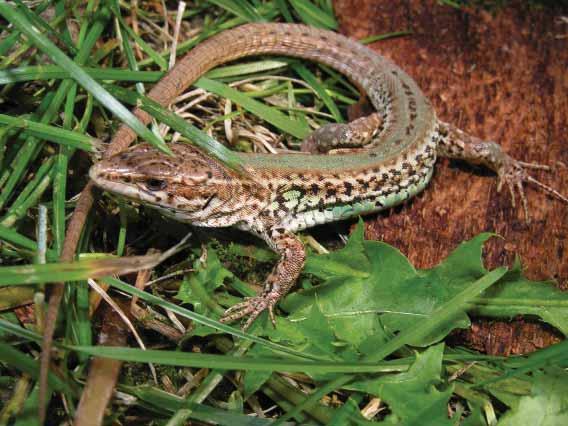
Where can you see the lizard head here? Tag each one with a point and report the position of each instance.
(189, 186)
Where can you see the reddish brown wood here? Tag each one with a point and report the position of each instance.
(103, 372)
(507, 338)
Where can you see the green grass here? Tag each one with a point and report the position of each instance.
(363, 323)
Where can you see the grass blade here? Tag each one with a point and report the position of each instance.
(201, 139)
(311, 79)
(74, 271)
(51, 133)
(48, 72)
(226, 362)
(25, 364)
(269, 114)
(313, 15)
(79, 75)
(241, 8)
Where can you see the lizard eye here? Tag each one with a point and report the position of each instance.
(155, 184)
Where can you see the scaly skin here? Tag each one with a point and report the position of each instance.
(390, 156)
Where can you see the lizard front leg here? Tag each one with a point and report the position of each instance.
(454, 143)
(341, 136)
(279, 282)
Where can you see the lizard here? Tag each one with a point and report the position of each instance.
(345, 170)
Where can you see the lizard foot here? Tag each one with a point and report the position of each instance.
(332, 136)
(251, 307)
(513, 173)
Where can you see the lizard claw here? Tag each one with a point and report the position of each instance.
(251, 307)
(513, 173)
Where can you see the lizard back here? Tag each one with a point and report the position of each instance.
(408, 117)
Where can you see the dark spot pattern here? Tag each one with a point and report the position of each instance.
(331, 192)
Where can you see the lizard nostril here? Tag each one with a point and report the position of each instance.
(155, 184)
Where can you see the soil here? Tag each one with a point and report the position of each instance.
(501, 75)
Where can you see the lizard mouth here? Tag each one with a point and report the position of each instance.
(102, 178)
(132, 186)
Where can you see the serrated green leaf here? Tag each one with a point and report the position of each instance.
(254, 380)
(198, 287)
(546, 406)
(349, 263)
(516, 295)
(465, 261)
(413, 396)
(313, 336)
(475, 417)
(379, 280)
(368, 278)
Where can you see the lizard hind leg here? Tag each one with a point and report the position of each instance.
(278, 283)
(355, 134)
(512, 173)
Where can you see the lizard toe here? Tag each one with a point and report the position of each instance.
(513, 174)
(252, 307)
